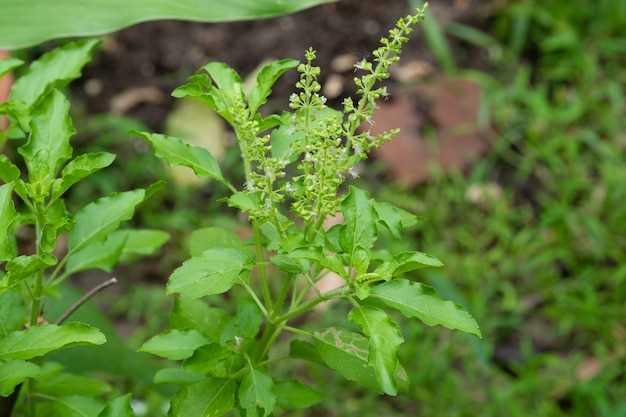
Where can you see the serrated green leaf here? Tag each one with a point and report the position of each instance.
(178, 376)
(385, 338)
(245, 201)
(347, 353)
(14, 373)
(410, 261)
(56, 221)
(8, 245)
(119, 407)
(395, 219)
(415, 300)
(23, 267)
(213, 272)
(9, 64)
(96, 220)
(212, 397)
(215, 360)
(99, 255)
(256, 391)
(194, 314)
(54, 69)
(79, 168)
(48, 146)
(207, 238)
(306, 351)
(265, 80)
(296, 395)
(12, 312)
(175, 345)
(8, 170)
(39, 340)
(359, 221)
(177, 152)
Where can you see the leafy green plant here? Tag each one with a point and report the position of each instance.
(296, 165)
(32, 203)
(24, 24)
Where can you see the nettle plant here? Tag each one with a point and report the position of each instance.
(32, 204)
(295, 166)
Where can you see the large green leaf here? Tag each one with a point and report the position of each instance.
(296, 395)
(12, 312)
(14, 373)
(265, 80)
(119, 407)
(39, 340)
(175, 345)
(176, 152)
(28, 23)
(81, 167)
(410, 261)
(54, 69)
(213, 272)
(420, 301)
(209, 398)
(359, 220)
(96, 220)
(8, 248)
(48, 146)
(194, 314)
(99, 255)
(385, 338)
(255, 392)
(347, 353)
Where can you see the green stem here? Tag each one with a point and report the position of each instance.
(297, 331)
(260, 255)
(330, 295)
(255, 298)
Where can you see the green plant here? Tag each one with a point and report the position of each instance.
(33, 204)
(298, 160)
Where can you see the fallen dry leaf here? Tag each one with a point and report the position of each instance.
(127, 100)
(453, 108)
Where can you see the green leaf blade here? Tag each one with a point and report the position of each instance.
(8, 245)
(48, 146)
(96, 220)
(265, 80)
(415, 300)
(256, 391)
(54, 69)
(212, 397)
(14, 373)
(175, 345)
(40, 340)
(79, 169)
(177, 152)
(213, 272)
(385, 338)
